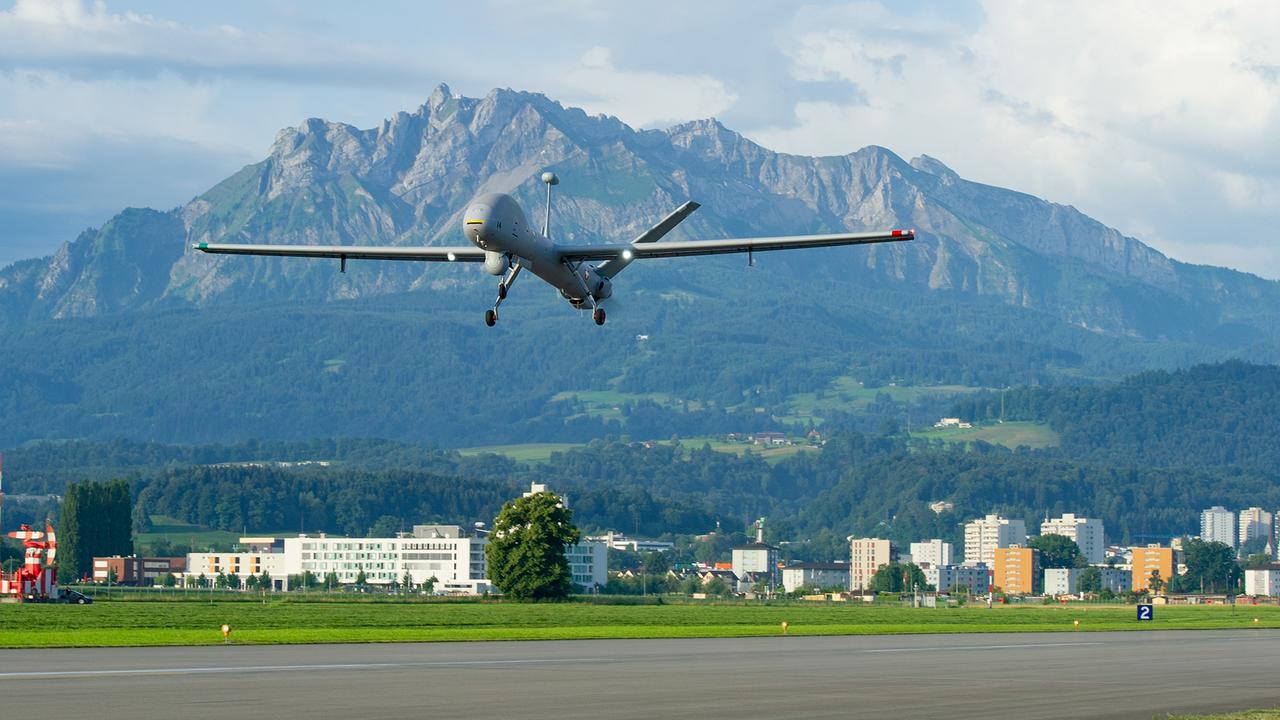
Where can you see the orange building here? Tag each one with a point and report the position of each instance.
(1148, 559)
(1017, 570)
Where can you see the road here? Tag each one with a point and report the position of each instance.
(1041, 675)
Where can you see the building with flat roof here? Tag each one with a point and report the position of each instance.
(1218, 524)
(1260, 582)
(444, 552)
(1254, 523)
(1085, 532)
(210, 565)
(944, 578)
(1017, 570)
(1148, 560)
(866, 555)
(815, 575)
(618, 541)
(134, 570)
(932, 552)
(983, 536)
(1061, 581)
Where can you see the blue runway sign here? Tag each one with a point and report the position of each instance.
(1146, 612)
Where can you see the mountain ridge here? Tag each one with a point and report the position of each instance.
(407, 179)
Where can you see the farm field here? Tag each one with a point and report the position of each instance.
(193, 621)
(1010, 434)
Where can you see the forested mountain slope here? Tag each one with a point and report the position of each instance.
(1207, 416)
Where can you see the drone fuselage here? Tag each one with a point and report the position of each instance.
(496, 224)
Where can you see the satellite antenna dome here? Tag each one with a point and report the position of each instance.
(550, 178)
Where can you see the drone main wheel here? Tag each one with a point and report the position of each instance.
(490, 317)
(598, 316)
(502, 291)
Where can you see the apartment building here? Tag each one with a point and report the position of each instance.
(1147, 560)
(866, 555)
(1217, 524)
(1086, 532)
(932, 552)
(983, 536)
(1016, 570)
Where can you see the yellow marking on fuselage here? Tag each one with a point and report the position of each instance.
(475, 222)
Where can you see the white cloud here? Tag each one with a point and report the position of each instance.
(90, 40)
(1147, 115)
(642, 99)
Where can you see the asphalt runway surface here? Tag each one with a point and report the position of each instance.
(1042, 675)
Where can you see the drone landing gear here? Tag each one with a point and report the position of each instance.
(598, 315)
(491, 315)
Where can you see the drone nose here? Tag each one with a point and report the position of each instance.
(474, 221)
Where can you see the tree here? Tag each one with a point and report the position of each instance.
(361, 579)
(526, 547)
(898, 577)
(331, 580)
(1257, 561)
(168, 580)
(1058, 551)
(386, 527)
(1211, 567)
(95, 520)
(1155, 583)
(1090, 580)
(407, 581)
(429, 585)
(264, 581)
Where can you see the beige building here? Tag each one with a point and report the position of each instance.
(866, 555)
(1146, 560)
(1017, 570)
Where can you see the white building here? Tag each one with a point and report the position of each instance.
(240, 564)
(1218, 524)
(983, 536)
(1086, 532)
(1254, 523)
(1265, 581)
(945, 577)
(932, 552)
(618, 541)
(1061, 581)
(866, 555)
(454, 558)
(1066, 581)
(755, 558)
(815, 575)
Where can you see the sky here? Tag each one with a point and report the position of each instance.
(1161, 119)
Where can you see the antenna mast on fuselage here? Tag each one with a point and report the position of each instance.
(550, 179)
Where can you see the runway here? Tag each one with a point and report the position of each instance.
(1042, 675)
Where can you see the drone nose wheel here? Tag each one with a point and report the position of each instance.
(598, 315)
(490, 317)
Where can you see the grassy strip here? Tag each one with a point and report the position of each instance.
(1246, 715)
(106, 624)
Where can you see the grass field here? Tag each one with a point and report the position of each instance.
(1010, 434)
(1246, 715)
(541, 452)
(528, 452)
(847, 393)
(197, 536)
(195, 622)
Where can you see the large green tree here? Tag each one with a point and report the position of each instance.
(899, 577)
(95, 520)
(1058, 551)
(1211, 567)
(526, 548)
